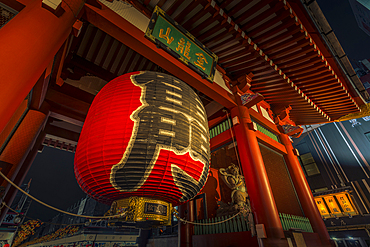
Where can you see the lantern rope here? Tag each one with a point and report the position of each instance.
(57, 209)
(176, 213)
(232, 137)
(48, 223)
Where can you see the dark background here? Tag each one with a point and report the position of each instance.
(52, 174)
(355, 42)
(53, 182)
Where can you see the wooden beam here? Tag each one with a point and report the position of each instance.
(91, 68)
(296, 54)
(78, 106)
(66, 115)
(63, 133)
(39, 91)
(276, 9)
(284, 43)
(308, 68)
(280, 16)
(257, 61)
(306, 58)
(225, 58)
(125, 32)
(266, 36)
(292, 30)
(252, 10)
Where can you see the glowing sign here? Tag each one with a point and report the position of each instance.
(322, 208)
(345, 203)
(333, 205)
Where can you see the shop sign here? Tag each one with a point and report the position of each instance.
(322, 208)
(170, 36)
(11, 219)
(332, 204)
(345, 203)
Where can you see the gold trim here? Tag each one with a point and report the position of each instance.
(141, 209)
(364, 112)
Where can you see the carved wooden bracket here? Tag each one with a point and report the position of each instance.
(243, 82)
(280, 114)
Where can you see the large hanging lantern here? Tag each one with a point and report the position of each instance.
(144, 145)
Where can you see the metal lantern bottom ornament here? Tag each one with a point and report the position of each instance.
(140, 212)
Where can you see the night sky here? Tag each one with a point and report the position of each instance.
(53, 179)
(53, 182)
(355, 42)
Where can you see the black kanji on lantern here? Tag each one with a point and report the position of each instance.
(173, 118)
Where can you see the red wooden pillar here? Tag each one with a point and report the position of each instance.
(186, 230)
(18, 180)
(19, 147)
(259, 190)
(28, 43)
(304, 192)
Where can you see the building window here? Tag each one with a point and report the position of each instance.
(308, 164)
(367, 134)
(321, 189)
(366, 85)
(367, 118)
(6, 14)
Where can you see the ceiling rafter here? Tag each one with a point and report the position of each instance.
(284, 54)
(302, 70)
(252, 10)
(270, 34)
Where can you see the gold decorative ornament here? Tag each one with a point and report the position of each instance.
(142, 212)
(365, 111)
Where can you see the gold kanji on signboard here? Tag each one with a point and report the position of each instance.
(201, 60)
(166, 36)
(181, 46)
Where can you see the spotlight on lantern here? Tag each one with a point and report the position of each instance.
(144, 148)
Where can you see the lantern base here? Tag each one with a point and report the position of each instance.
(141, 212)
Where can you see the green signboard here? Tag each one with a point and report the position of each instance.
(170, 36)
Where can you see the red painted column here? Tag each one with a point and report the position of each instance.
(186, 230)
(258, 186)
(19, 146)
(24, 168)
(28, 43)
(304, 192)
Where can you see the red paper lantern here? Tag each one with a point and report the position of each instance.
(146, 135)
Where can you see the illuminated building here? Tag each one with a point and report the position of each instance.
(274, 71)
(361, 10)
(335, 159)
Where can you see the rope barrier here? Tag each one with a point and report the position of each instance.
(176, 213)
(209, 224)
(57, 209)
(47, 223)
(96, 217)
